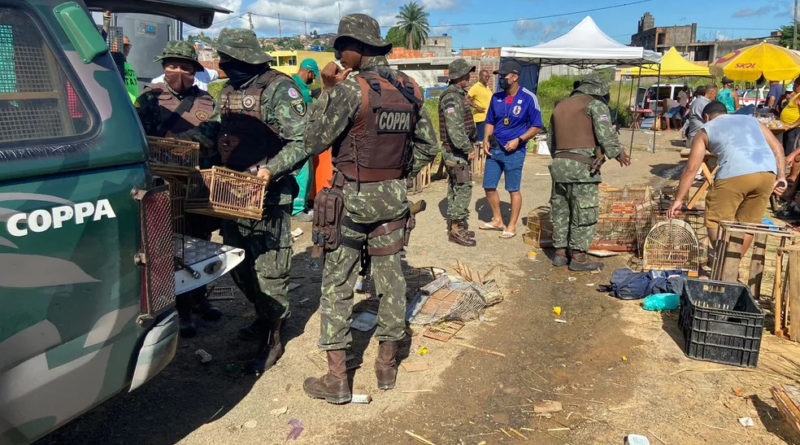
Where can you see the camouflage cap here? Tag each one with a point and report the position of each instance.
(459, 68)
(180, 49)
(363, 28)
(242, 44)
(594, 83)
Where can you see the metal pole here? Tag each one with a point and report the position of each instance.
(794, 34)
(250, 17)
(280, 34)
(630, 95)
(658, 81)
(638, 84)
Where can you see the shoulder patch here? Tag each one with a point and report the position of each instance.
(450, 110)
(293, 93)
(603, 117)
(201, 115)
(299, 107)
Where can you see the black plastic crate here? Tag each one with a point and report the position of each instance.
(721, 322)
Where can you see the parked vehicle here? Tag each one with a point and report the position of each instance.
(651, 97)
(88, 275)
(754, 96)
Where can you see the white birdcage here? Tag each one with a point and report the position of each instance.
(672, 245)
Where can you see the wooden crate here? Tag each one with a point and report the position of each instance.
(616, 200)
(225, 193)
(477, 165)
(173, 157)
(540, 228)
(422, 180)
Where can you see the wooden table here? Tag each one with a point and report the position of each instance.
(708, 176)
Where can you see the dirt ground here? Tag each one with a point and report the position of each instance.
(616, 368)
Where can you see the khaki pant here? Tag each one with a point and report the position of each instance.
(740, 198)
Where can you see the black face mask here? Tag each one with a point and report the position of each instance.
(505, 84)
(240, 72)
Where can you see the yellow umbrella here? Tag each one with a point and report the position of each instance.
(751, 62)
(672, 65)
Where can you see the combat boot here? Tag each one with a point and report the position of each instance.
(269, 351)
(456, 235)
(580, 262)
(560, 258)
(385, 365)
(333, 386)
(462, 224)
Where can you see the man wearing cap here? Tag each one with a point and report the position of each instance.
(581, 137)
(457, 133)
(177, 109)
(262, 114)
(305, 76)
(380, 135)
(513, 119)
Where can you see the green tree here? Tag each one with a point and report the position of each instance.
(396, 37)
(413, 23)
(787, 32)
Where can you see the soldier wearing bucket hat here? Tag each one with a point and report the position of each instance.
(581, 138)
(176, 108)
(375, 148)
(261, 114)
(458, 134)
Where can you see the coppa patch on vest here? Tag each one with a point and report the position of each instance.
(394, 121)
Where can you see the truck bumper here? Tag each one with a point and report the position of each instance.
(157, 350)
(203, 261)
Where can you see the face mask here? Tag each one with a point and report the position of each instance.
(179, 81)
(505, 84)
(240, 72)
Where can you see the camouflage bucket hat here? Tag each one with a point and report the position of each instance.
(180, 49)
(363, 28)
(459, 68)
(594, 83)
(242, 44)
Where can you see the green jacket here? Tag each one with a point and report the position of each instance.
(568, 170)
(451, 104)
(281, 109)
(304, 90)
(331, 117)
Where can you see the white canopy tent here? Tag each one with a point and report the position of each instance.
(583, 46)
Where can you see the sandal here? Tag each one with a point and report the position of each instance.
(507, 235)
(486, 226)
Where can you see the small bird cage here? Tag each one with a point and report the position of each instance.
(672, 245)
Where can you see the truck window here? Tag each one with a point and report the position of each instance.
(38, 102)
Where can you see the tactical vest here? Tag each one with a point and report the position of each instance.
(245, 139)
(378, 146)
(572, 124)
(201, 109)
(469, 123)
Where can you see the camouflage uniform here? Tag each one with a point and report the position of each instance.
(574, 197)
(366, 203)
(264, 274)
(458, 133)
(159, 121)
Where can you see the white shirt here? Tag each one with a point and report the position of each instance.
(201, 78)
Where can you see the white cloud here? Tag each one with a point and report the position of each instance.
(539, 31)
(747, 12)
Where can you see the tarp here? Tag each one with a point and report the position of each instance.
(584, 45)
(672, 65)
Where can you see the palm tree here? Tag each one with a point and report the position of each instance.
(413, 23)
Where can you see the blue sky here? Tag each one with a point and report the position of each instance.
(715, 20)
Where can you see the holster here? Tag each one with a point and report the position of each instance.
(461, 173)
(594, 163)
(326, 234)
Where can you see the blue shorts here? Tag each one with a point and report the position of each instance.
(501, 162)
(480, 127)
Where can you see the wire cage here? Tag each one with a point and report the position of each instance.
(540, 228)
(625, 200)
(225, 193)
(624, 232)
(177, 193)
(672, 245)
(173, 157)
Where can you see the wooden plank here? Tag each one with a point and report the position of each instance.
(701, 191)
(777, 294)
(757, 265)
(732, 258)
(793, 293)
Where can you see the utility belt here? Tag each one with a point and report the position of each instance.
(329, 218)
(593, 162)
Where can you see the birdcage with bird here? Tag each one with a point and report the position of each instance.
(672, 245)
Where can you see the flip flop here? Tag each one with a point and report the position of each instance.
(486, 226)
(507, 235)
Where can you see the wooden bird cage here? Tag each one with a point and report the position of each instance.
(672, 245)
(173, 157)
(540, 228)
(225, 193)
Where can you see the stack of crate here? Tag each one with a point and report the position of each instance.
(625, 216)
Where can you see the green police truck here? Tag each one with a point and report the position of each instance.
(87, 251)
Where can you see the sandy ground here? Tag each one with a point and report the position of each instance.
(616, 368)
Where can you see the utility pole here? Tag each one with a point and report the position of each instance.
(305, 25)
(794, 34)
(250, 17)
(340, 9)
(280, 34)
